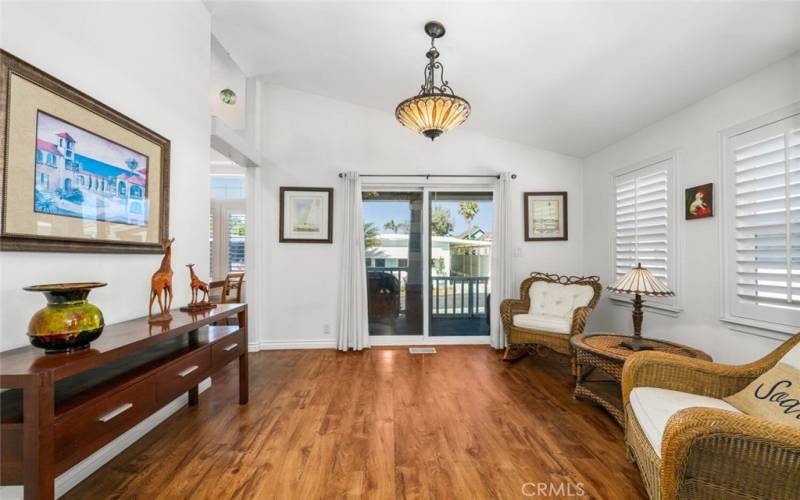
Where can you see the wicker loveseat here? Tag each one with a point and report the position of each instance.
(707, 449)
(550, 310)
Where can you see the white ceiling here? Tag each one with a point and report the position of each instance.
(567, 77)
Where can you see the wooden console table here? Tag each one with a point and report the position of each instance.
(60, 408)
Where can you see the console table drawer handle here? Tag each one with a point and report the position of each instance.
(188, 370)
(231, 347)
(113, 413)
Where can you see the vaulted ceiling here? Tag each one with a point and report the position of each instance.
(566, 77)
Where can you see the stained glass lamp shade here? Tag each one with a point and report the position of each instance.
(637, 282)
(432, 115)
(436, 109)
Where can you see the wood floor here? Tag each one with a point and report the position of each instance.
(379, 424)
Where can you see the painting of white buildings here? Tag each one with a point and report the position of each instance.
(79, 174)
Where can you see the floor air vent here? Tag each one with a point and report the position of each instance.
(422, 350)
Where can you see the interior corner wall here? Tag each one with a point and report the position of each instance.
(149, 61)
(694, 133)
(308, 139)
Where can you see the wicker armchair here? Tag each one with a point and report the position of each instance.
(710, 453)
(522, 340)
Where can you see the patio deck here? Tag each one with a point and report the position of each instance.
(440, 327)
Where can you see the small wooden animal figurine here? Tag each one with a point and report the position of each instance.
(198, 286)
(161, 285)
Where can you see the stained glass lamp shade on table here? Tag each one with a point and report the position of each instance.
(637, 282)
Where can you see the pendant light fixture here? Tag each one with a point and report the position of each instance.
(436, 109)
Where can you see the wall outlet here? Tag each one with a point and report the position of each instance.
(326, 329)
(517, 252)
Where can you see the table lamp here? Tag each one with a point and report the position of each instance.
(637, 282)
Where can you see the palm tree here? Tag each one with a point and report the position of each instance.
(371, 238)
(391, 226)
(132, 164)
(468, 210)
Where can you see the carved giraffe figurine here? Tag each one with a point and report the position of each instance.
(197, 285)
(161, 283)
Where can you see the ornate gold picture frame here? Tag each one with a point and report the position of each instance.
(76, 176)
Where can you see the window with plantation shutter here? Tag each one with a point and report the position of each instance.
(236, 236)
(761, 172)
(211, 244)
(643, 221)
(228, 236)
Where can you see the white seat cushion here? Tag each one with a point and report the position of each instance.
(553, 299)
(544, 322)
(653, 407)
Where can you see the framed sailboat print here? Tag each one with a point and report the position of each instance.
(546, 216)
(306, 215)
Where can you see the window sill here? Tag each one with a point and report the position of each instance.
(758, 328)
(650, 306)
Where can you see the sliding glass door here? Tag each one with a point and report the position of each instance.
(394, 260)
(428, 258)
(461, 253)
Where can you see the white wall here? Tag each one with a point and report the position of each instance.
(307, 140)
(694, 132)
(226, 74)
(150, 61)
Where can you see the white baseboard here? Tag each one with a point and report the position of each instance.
(374, 340)
(271, 345)
(402, 340)
(70, 478)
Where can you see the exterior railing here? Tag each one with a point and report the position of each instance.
(451, 296)
(459, 296)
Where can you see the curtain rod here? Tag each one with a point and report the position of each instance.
(428, 176)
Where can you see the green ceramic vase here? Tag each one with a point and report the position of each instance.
(69, 322)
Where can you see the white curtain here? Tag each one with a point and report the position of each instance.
(353, 322)
(501, 257)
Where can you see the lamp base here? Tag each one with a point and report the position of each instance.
(636, 345)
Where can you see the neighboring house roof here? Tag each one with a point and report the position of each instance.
(47, 146)
(66, 136)
(99, 168)
(436, 239)
(471, 233)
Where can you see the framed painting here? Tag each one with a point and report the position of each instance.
(76, 175)
(699, 202)
(546, 216)
(306, 215)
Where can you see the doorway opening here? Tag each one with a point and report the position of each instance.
(428, 260)
(227, 220)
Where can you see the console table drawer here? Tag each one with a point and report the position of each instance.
(226, 350)
(81, 432)
(182, 375)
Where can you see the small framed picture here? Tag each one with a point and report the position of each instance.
(699, 202)
(306, 215)
(546, 216)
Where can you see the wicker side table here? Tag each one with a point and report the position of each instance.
(600, 359)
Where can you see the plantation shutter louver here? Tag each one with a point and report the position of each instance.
(643, 222)
(765, 163)
(236, 241)
(211, 244)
